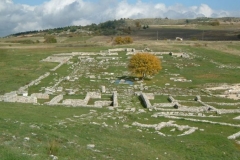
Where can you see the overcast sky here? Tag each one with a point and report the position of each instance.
(25, 15)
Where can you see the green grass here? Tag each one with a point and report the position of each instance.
(218, 99)
(42, 124)
(20, 67)
(66, 131)
(160, 99)
(191, 104)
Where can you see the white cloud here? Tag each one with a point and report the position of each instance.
(205, 10)
(59, 13)
(30, 25)
(81, 22)
(161, 7)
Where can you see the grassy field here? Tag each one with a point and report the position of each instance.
(35, 132)
(39, 132)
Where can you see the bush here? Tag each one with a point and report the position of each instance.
(123, 40)
(238, 36)
(144, 64)
(50, 39)
(128, 40)
(214, 23)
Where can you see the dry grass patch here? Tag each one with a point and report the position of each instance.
(208, 76)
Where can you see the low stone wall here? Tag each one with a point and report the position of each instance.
(209, 108)
(102, 103)
(185, 114)
(13, 97)
(75, 102)
(58, 66)
(60, 59)
(93, 95)
(145, 100)
(40, 95)
(24, 88)
(116, 50)
(175, 102)
(55, 100)
(234, 136)
(115, 100)
(9, 97)
(163, 105)
(23, 99)
(197, 98)
(57, 58)
(187, 129)
(171, 99)
(149, 95)
(80, 102)
(227, 111)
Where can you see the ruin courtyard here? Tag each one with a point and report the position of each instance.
(101, 80)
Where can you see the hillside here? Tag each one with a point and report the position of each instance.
(227, 28)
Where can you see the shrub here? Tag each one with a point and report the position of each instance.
(238, 36)
(118, 40)
(123, 40)
(50, 39)
(128, 40)
(144, 64)
(214, 23)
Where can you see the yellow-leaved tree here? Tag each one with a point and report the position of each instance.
(144, 64)
(123, 40)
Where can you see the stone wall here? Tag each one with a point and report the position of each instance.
(209, 108)
(40, 95)
(55, 100)
(37, 81)
(80, 102)
(174, 102)
(145, 100)
(234, 136)
(23, 99)
(102, 103)
(59, 59)
(149, 95)
(10, 97)
(163, 105)
(58, 66)
(171, 99)
(75, 102)
(115, 99)
(13, 97)
(116, 50)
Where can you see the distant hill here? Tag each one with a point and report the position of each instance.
(132, 26)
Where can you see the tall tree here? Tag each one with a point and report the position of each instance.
(144, 64)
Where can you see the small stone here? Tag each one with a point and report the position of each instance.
(26, 138)
(90, 146)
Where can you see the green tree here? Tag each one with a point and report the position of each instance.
(144, 64)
